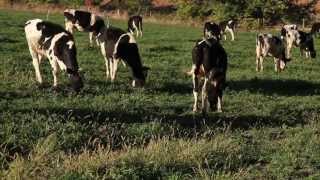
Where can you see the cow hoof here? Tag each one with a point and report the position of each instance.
(55, 89)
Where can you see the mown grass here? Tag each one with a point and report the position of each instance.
(269, 128)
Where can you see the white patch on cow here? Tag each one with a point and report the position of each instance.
(33, 35)
(69, 26)
(71, 11)
(132, 39)
(77, 25)
(70, 44)
(55, 58)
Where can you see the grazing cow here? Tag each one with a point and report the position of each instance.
(269, 45)
(116, 44)
(135, 24)
(315, 29)
(83, 21)
(229, 26)
(306, 44)
(211, 30)
(57, 44)
(209, 60)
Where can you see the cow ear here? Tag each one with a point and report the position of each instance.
(41, 26)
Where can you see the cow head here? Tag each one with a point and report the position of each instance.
(139, 82)
(75, 80)
(212, 30)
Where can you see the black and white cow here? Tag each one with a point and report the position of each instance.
(269, 45)
(306, 44)
(117, 45)
(315, 29)
(135, 25)
(57, 44)
(83, 21)
(209, 60)
(212, 30)
(228, 26)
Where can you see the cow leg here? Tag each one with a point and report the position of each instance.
(114, 68)
(231, 32)
(205, 89)
(301, 52)
(307, 54)
(91, 38)
(257, 63)
(225, 36)
(108, 64)
(55, 71)
(36, 62)
(261, 63)
(104, 54)
(219, 102)
(276, 64)
(195, 81)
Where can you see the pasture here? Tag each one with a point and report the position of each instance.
(269, 128)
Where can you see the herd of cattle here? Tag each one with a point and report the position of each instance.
(56, 43)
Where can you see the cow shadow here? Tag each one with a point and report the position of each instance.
(279, 116)
(174, 88)
(163, 49)
(279, 87)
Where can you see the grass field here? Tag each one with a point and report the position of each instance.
(269, 128)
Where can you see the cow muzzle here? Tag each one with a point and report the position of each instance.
(76, 82)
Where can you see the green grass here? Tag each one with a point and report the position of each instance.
(269, 128)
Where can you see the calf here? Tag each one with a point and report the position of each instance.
(290, 36)
(315, 29)
(57, 44)
(211, 30)
(228, 26)
(209, 60)
(116, 44)
(269, 45)
(83, 21)
(135, 24)
(306, 44)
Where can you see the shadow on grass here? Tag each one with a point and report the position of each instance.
(162, 49)
(175, 88)
(7, 40)
(276, 87)
(281, 115)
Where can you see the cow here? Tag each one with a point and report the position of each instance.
(302, 40)
(289, 34)
(209, 60)
(306, 44)
(315, 29)
(269, 45)
(117, 45)
(135, 25)
(83, 21)
(54, 42)
(228, 26)
(212, 30)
